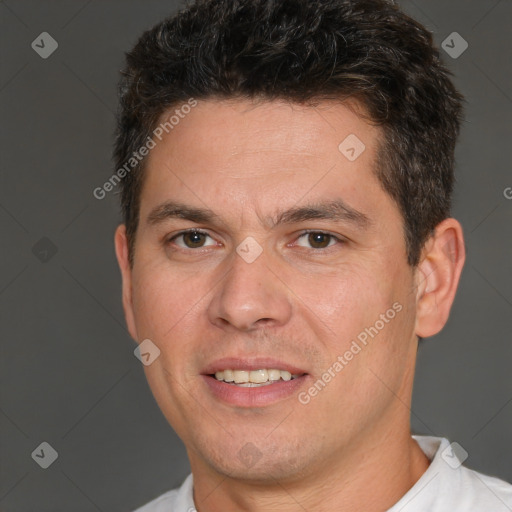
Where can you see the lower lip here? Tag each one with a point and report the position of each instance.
(253, 397)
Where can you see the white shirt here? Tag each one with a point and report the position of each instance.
(446, 486)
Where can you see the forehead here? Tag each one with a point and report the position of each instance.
(243, 155)
(266, 130)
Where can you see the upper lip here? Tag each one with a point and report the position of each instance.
(250, 363)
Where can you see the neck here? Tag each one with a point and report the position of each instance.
(372, 475)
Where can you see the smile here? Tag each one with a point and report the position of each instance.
(254, 378)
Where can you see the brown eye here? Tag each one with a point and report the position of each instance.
(319, 239)
(192, 239)
(195, 238)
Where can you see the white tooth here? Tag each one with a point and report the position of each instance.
(258, 376)
(253, 385)
(285, 375)
(274, 374)
(219, 375)
(228, 376)
(240, 376)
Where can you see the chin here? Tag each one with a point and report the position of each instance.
(264, 473)
(259, 462)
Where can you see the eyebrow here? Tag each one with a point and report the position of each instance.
(336, 210)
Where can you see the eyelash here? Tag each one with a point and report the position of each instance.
(305, 232)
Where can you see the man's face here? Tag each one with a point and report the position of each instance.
(249, 294)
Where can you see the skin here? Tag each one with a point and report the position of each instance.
(350, 447)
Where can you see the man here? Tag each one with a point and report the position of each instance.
(286, 172)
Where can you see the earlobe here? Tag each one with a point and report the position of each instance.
(122, 254)
(438, 277)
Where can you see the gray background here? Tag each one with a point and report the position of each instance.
(69, 376)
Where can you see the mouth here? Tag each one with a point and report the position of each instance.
(253, 382)
(254, 378)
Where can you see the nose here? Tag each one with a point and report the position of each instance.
(250, 296)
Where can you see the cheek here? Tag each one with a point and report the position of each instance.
(162, 300)
(367, 314)
(165, 306)
(377, 373)
(346, 301)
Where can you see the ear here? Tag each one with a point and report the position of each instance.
(437, 277)
(121, 244)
